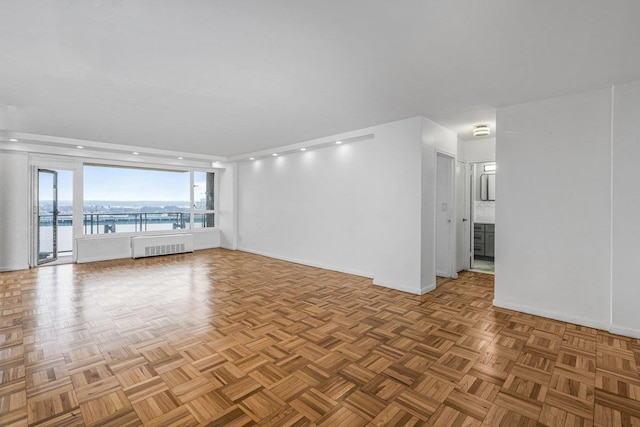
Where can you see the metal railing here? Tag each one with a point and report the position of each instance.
(100, 223)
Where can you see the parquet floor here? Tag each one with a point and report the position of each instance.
(229, 338)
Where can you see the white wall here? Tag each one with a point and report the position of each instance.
(227, 201)
(102, 248)
(626, 209)
(14, 211)
(434, 138)
(354, 207)
(3, 116)
(397, 209)
(366, 208)
(555, 261)
(478, 150)
(206, 239)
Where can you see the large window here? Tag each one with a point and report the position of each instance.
(122, 199)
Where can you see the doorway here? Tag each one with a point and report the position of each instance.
(483, 196)
(53, 216)
(445, 216)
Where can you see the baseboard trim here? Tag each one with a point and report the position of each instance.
(99, 259)
(627, 332)
(203, 247)
(552, 315)
(395, 287)
(355, 272)
(428, 289)
(15, 268)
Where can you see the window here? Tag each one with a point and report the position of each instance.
(122, 199)
(204, 199)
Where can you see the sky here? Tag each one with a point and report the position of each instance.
(121, 184)
(65, 185)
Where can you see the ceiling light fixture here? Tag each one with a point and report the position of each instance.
(303, 149)
(481, 130)
(274, 154)
(252, 158)
(135, 153)
(79, 146)
(338, 142)
(180, 158)
(13, 140)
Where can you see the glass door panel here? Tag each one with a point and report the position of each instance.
(47, 216)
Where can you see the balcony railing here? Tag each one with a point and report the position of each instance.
(95, 223)
(102, 223)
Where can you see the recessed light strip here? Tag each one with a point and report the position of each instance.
(296, 148)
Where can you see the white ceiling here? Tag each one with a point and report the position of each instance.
(232, 77)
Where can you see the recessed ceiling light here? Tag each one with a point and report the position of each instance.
(13, 140)
(338, 142)
(274, 154)
(481, 130)
(303, 149)
(79, 146)
(135, 153)
(180, 158)
(252, 158)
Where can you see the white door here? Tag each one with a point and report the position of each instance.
(445, 216)
(463, 225)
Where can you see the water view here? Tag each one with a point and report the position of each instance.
(104, 217)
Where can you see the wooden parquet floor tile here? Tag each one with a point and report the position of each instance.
(223, 338)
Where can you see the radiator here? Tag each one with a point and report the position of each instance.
(161, 245)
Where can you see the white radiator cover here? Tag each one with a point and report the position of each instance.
(161, 245)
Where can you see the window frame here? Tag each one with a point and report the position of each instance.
(158, 167)
(195, 211)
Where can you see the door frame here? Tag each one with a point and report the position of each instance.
(452, 255)
(52, 162)
(36, 217)
(473, 174)
(464, 211)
